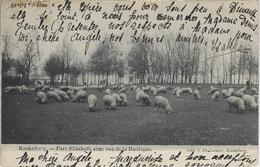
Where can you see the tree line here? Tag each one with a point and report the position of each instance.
(168, 62)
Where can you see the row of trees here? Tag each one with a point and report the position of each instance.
(169, 62)
(24, 63)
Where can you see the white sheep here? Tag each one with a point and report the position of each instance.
(92, 101)
(109, 101)
(146, 89)
(138, 93)
(115, 87)
(224, 93)
(249, 102)
(187, 90)
(162, 102)
(137, 90)
(38, 87)
(41, 97)
(70, 93)
(212, 90)
(45, 88)
(216, 95)
(24, 90)
(196, 94)
(62, 94)
(230, 92)
(153, 90)
(123, 101)
(10, 89)
(243, 90)
(175, 90)
(133, 87)
(80, 96)
(178, 92)
(117, 97)
(236, 102)
(144, 99)
(161, 89)
(52, 95)
(108, 92)
(238, 94)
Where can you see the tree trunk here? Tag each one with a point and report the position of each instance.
(62, 76)
(211, 76)
(107, 79)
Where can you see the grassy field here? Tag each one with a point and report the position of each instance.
(193, 122)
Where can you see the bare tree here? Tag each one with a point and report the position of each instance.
(7, 61)
(28, 59)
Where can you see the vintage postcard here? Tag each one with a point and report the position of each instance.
(124, 83)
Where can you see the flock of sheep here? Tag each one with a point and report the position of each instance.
(239, 100)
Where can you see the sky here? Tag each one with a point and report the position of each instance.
(46, 48)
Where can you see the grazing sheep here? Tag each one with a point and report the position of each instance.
(92, 101)
(236, 102)
(238, 94)
(38, 87)
(117, 97)
(62, 94)
(25, 90)
(122, 90)
(144, 99)
(162, 102)
(212, 90)
(249, 102)
(168, 87)
(224, 93)
(146, 89)
(196, 94)
(230, 92)
(254, 91)
(161, 89)
(52, 95)
(123, 101)
(133, 87)
(75, 89)
(109, 101)
(243, 90)
(199, 88)
(137, 90)
(175, 90)
(115, 87)
(108, 92)
(64, 88)
(70, 94)
(186, 90)
(10, 90)
(45, 88)
(153, 90)
(41, 97)
(216, 95)
(80, 96)
(138, 93)
(178, 92)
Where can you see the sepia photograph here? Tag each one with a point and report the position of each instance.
(129, 73)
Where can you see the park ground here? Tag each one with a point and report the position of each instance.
(193, 122)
